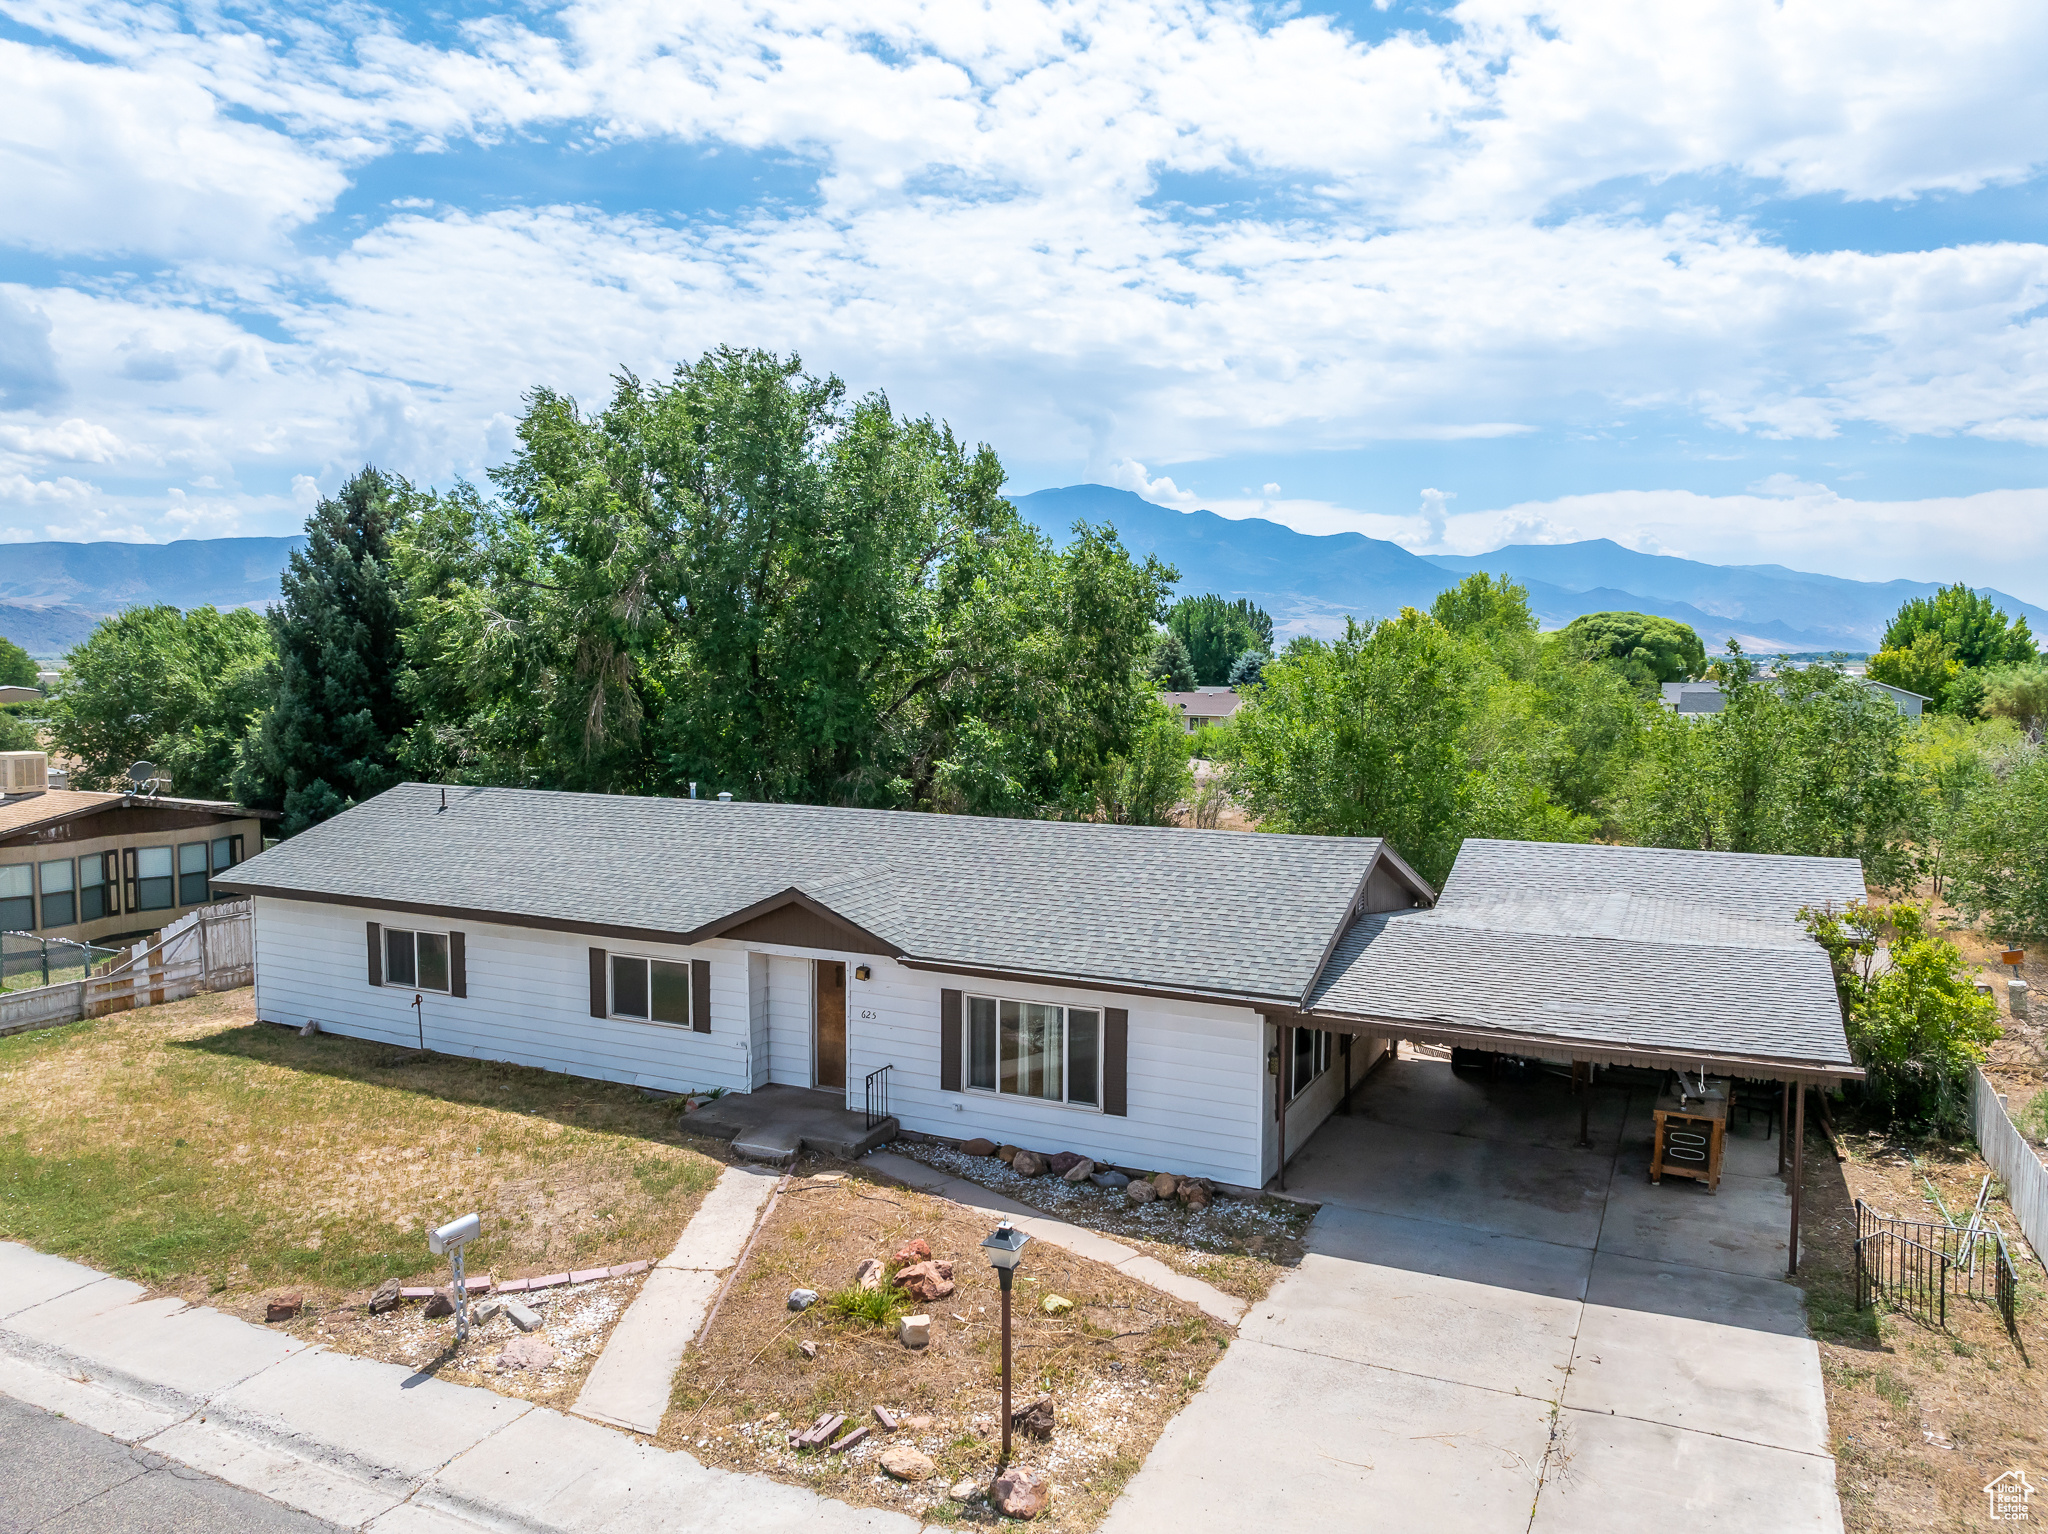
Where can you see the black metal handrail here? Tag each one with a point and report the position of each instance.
(1913, 1262)
(878, 1096)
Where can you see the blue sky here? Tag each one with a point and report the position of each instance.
(1744, 281)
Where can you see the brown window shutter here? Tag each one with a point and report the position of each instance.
(700, 995)
(132, 893)
(376, 954)
(1116, 1061)
(949, 1041)
(458, 965)
(598, 1007)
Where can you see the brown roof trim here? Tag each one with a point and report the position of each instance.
(792, 896)
(1600, 1052)
(113, 801)
(1088, 983)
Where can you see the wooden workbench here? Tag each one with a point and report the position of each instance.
(1691, 1135)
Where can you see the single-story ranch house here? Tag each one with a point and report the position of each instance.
(1148, 997)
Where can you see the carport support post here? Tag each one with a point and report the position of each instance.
(1284, 1037)
(1584, 1095)
(1784, 1121)
(1798, 1169)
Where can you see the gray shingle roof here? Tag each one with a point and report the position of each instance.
(1639, 948)
(1235, 914)
(1740, 883)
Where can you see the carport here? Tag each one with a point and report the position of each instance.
(1594, 956)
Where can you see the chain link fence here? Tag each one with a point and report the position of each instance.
(28, 962)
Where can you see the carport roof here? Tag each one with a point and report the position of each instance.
(1658, 956)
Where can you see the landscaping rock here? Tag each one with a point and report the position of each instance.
(1006, 1153)
(919, 1250)
(386, 1298)
(283, 1307)
(978, 1148)
(1026, 1164)
(1060, 1161)
(918, 1424)
(527, 1320)
(802, 1299)
(1110, 1180)
(311, 1030)
(1165, 1184)
(808, 1348)
(915, 1332)
(927, 1281)
(1055, 1304)
(1196, 1194)
(488, 1312)
(966, 1489)
(869, 1274)
(907, 1464)
(1020, 1492)
(1141, 1193)
(442, 1304)
(526, 1353)
(1079, 1171)
(1035, 1419)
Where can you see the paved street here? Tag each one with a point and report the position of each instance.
(63, 1478)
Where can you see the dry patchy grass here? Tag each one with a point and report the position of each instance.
(1117, 1366)
(192, 1148)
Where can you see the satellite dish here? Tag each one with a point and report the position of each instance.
(141, 774)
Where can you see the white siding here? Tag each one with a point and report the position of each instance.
(1318, 1101)
(789, 1021)
(528, 1001)
(757, 1017)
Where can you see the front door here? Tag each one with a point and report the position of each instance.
(831, 1014)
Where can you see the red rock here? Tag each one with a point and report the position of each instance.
(1060, 1161)
(283, 1307)
(919, 1250)
(927, 1281)
(1035, 1419)
(442, 1304)
(1020, 1492)
(978, 1148)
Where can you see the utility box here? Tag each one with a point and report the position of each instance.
(24, 772)
(2016, 994)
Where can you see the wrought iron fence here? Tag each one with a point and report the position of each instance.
(29, 962)
(878, 1096)
(1913, 1264)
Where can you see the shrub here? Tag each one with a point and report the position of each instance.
(881, 1306)
(1914, 1019)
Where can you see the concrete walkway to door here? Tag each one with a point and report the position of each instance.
(1496, 1331)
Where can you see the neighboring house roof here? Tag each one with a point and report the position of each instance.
(1208, 702)
(13, 694)
(1708, 698)
(1222, 914)
(1637, 953)
(27, 812)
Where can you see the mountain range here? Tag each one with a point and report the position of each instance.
(51, 594)
(1311, 582)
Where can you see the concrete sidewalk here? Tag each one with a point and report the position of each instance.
(364, 1445)
(1128, 1260)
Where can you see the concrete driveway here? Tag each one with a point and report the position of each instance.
(1497, 1331)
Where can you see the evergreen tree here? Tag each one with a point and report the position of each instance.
(1171, 666)
(1216, 632)
(331, 735)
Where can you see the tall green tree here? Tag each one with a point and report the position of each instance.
(1216, 632)
(1145, 787)
(1974, 627)
(743, 579)
(339, 705)
(17, 667)
(1647, 649)
(1172, 667)
(180, 690)
(1928, 665)
(1484, 604)
(1999, 859)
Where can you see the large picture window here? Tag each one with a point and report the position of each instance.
(650, 990)
(18, 897)
(1034, 1049)
(60, 898)
(1311, 1058)
(155, 884)
(416, 959)
(98, 873)
(192, 873)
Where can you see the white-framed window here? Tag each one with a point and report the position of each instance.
(18, 897)
(1311, 1058)
(416, 960)
(60, 893)
(156, 885)
(1033, 1049)
(646, 990)
(99, 885)
(192, 861)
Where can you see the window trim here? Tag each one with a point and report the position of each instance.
(204, 874)
(1064, 1101)
(384, 937)
(139, 879)
(1321, 1052)
(611, 1003)
(44, 894)
(30, 899)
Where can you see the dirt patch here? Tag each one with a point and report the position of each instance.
(1117, 1365)
(222, 1160)
(1240, 1246)
(1920, 1418)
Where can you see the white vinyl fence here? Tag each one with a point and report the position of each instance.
(210, 949)
(2012, 1158)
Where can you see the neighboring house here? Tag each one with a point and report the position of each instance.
(92, 866)
(12, 694)
(1205, 705)
(1148, 997)
(1707, 698)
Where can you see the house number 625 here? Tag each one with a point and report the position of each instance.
(866, 1015)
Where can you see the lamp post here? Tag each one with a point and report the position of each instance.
(1004, 1248)
(451, 1239)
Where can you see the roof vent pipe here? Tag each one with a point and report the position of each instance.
(693, 790)
(725, 798)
